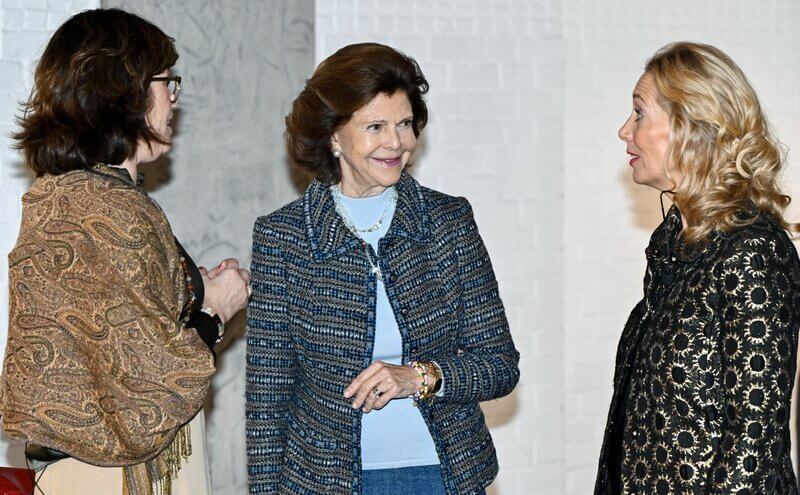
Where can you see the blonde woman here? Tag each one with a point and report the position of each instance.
(706, 362)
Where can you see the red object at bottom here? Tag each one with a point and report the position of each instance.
(14, 481)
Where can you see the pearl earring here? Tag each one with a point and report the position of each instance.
(337, 153)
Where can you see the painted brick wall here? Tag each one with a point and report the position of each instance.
(536, 151)
(26, 27)
(607, 218)
(496, 76)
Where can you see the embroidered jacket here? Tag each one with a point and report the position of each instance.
(709, 359)
(311, 329)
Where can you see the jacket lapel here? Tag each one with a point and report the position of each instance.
(411, 217)
(326, 231)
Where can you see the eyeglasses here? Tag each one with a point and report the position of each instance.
(173, 83)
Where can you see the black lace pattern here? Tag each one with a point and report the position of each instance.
(705, 367)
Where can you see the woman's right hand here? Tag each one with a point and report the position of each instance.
(226, 263)
(227, 292)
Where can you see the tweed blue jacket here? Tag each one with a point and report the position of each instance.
(311, 324)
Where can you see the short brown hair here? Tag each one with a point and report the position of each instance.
(91, 92)
(341, 84)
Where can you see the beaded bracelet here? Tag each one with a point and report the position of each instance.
(424, 391)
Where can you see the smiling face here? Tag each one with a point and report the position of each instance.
(375, 145)
(159, 117)
(646, 132)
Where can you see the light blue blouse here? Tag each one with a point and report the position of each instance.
(395, 436)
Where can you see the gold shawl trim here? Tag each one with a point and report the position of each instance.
(155, 477)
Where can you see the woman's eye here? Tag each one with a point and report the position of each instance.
(404, 124)
(638, 113)
(374, 127)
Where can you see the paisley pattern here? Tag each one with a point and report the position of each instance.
(97, 365)
(708, 357)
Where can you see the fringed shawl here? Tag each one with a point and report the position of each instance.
(97, 364)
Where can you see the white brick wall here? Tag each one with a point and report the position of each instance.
(608, 219)
(526, 101)
(496, 76)
(26, 27)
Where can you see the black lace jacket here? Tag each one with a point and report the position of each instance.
(705, 367)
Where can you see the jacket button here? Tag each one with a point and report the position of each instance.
(404, 311)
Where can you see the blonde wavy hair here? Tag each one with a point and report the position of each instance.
(720, 142)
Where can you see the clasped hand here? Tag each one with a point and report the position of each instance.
(227, 288)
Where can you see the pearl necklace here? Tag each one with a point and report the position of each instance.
(344, 214)
(341, 209)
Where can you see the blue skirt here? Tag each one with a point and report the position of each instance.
(414, 480)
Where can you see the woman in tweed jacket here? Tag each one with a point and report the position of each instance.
(706, 362)
(375, 326)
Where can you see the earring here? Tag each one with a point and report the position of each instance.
(337, 153)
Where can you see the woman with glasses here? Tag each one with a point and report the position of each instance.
(111, 324)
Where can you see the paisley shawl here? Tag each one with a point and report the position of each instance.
(97, 364)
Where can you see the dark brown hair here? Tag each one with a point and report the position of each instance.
(341, 84)
(91, 92)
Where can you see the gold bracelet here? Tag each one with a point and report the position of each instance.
(437, 374)
(423, 390)
(425, 369)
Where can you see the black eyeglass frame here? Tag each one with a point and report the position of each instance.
(177, 79)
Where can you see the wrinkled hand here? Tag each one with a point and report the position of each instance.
(226, 263)
(226, 293)
(381, 382)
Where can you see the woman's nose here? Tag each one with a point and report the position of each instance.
(625, 132)
(392, 140)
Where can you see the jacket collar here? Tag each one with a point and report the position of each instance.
(119, 173)
(666, 242)
(328, 234)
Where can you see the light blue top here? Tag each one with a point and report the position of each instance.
(395, 436)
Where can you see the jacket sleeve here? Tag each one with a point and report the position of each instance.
(99, 365)
(485, 366)
(758, 293)
(270, 363)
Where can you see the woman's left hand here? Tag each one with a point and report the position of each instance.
(381, 382)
